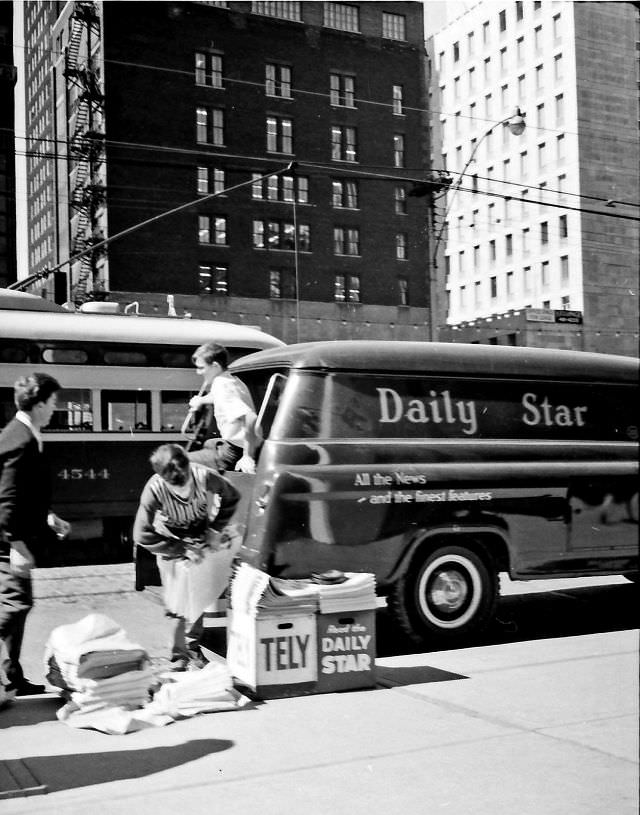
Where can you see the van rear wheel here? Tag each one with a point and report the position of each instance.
(445, 594)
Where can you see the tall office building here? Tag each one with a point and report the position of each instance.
(541, 234)
(8, 74)
(284, 136)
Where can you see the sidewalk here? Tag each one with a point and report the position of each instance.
(546, 726)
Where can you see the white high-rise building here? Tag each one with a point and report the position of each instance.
(542, 220)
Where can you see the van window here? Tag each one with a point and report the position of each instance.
(126, 411)
(356, 405)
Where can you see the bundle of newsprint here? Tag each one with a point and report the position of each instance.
(291, 637)
(109, 685)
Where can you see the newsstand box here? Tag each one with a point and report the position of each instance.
(346, 650)
(273, 656)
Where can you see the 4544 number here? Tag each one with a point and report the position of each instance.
(78, 474)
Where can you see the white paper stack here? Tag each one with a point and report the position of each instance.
(356, 593)
(253, 592)
(206, 690)
(97, 665)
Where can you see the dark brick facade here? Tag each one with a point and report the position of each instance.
(152, 156)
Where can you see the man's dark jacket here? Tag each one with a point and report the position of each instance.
(25, 490)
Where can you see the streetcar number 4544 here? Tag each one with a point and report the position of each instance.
(77, 473)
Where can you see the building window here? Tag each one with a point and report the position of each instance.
(557, 32)
(279, 135)
(461, 266)
(470, 43)
(542, 155)
(526, 274)
(565, 302)
(398, 150)
(562, 186)
(342, 17)
(342, 91)
(539, 77)
(559, 109)
(525, 240)
(400, 198)
(397, 100)
(210, 180)
(282, 284)
(208, 70)
(403, 291)
(344, 194)
(524, 164)
(492, 251)
(502, 20)
(456, 51)
(510, 284)
(283, 11)
(544, 232)
(346, 288)
(560, 147)
(210, 126)
(544, 273)
(346, 241)
(564, 269)
(276, 234)
(537, 38)
(394, 26)
(204, 229)
(463, 297)
(493, 287)
(509, 244)
(540, 115)
(519, 10)
(503, 59)
(557, 67)
(401, 246)
(285, 188)
(487, 70)
(485, 33)
(472, 80)
(277, 80)
(520, 50)
(343, 143)
(213, 280)
(563, 227)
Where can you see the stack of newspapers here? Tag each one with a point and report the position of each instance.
(254, 592)
(96, 666)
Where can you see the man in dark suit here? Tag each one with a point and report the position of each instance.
(25, 519)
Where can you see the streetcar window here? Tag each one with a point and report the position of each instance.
(174, 406)
(12, 353)
(65, 356)
(126, 411)
(125, 358)
(176, 359)
(7, 406)
(73, 410)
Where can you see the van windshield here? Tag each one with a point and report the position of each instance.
(344, 405)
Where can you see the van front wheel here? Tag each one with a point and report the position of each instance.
(445, 594)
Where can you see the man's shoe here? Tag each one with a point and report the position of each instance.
(179, 664)
(26, 688)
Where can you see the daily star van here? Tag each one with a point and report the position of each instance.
(437, 466)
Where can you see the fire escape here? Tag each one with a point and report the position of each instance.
(86, 154)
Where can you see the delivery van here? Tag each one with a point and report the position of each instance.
(437, 466)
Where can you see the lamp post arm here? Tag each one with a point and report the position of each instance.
(456, 185)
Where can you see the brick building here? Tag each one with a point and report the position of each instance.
(162, 104)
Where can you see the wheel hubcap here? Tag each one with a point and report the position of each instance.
(449, 591)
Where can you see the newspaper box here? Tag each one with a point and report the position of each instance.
(346, 650)
(273, 656)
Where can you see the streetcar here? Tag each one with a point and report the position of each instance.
(126, 381)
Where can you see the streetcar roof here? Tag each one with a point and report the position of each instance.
(10, 299)
(457, 359)
(70, 326)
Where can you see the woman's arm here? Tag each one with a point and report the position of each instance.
(144, 531)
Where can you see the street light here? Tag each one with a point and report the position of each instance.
(516, 124)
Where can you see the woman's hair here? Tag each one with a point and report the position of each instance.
(212, 352)
(28, 391)
(171, 463)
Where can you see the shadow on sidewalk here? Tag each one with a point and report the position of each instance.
(64, 772)
(28, 710)
(388, 677)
